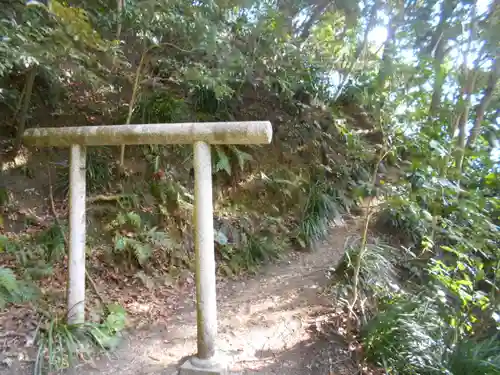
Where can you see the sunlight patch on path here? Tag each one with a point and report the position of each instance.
(263, 323)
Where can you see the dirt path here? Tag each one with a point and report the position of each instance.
(264, 324)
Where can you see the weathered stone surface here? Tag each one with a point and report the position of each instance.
(188, 368)
(206, 294)
(245, 132)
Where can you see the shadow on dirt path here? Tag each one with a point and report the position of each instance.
(266, 324)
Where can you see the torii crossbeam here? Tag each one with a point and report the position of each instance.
(201, 135)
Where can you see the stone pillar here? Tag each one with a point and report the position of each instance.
(204, 363)
(77, 224)
(206, 302)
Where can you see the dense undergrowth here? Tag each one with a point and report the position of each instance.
(359, 127)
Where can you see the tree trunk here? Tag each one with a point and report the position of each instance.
(469, 86)
(119, 12)
(28, 90)
(361, 48)
(389, 45)
(288, 10)
(440, 76)
(317, 12)
(387, 56)
(133, 101)
(389, 50)
(484, 103)
(437, 49)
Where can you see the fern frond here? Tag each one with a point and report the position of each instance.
(8, 281)
(241, 156)
(223, 162)
(13, 290)
(121, 243)
(157, 238)
(129, 218)
(134, 219)
(142, 251)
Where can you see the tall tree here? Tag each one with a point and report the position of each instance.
(438, 49)
(396, 11)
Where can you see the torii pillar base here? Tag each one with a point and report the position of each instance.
(195, 366)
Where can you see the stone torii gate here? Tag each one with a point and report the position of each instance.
(201, 135)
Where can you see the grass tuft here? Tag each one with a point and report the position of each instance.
(61, 345)
(321, 206)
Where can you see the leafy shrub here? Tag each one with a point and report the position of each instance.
(405, 219)
(160, 107)
(173, 198)
(210, 100)
(60, 344)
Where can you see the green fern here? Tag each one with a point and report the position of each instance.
(139, 241)
(8, 245)
(223, 158)
(223, 163)
(8, 281)
(34, 255)
(241, 156)
(157, 238)
(132, 248)
(129, 218)
(12, 290)
(142, 251)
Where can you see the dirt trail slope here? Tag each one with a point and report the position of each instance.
(264, 324)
